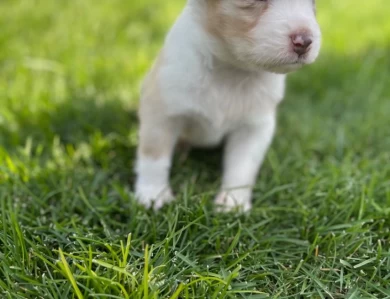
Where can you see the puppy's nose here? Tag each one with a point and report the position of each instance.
(301, 43)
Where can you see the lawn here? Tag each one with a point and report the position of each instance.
(69, 226)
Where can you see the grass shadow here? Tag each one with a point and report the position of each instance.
(320, 101)
(72, 121)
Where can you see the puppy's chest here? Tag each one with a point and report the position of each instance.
(219, 107)
(220, 97)
(226, 99)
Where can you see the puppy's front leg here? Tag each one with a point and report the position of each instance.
(245, 150)
(155, 151)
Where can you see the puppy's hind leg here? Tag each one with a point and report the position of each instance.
(154, 159)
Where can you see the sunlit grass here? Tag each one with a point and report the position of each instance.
(69, 226)
(351, 27)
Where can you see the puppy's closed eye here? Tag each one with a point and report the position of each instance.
(245, 4)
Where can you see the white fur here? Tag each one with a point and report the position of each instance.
(154, 182)
(204, 90)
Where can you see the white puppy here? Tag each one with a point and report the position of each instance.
(220, 77)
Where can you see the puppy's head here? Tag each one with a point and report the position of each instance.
(274, 35)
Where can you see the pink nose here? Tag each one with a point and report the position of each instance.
(301, 43)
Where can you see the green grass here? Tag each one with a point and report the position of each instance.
(69, 225)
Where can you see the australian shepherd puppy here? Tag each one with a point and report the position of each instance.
(220, 77)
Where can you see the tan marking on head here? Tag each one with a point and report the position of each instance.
(239, 22)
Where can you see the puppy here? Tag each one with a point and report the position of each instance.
(220, 77)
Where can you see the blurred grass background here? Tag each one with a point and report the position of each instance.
(69, 78)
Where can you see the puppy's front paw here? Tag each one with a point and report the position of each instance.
(239, 200)
(155, 196)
